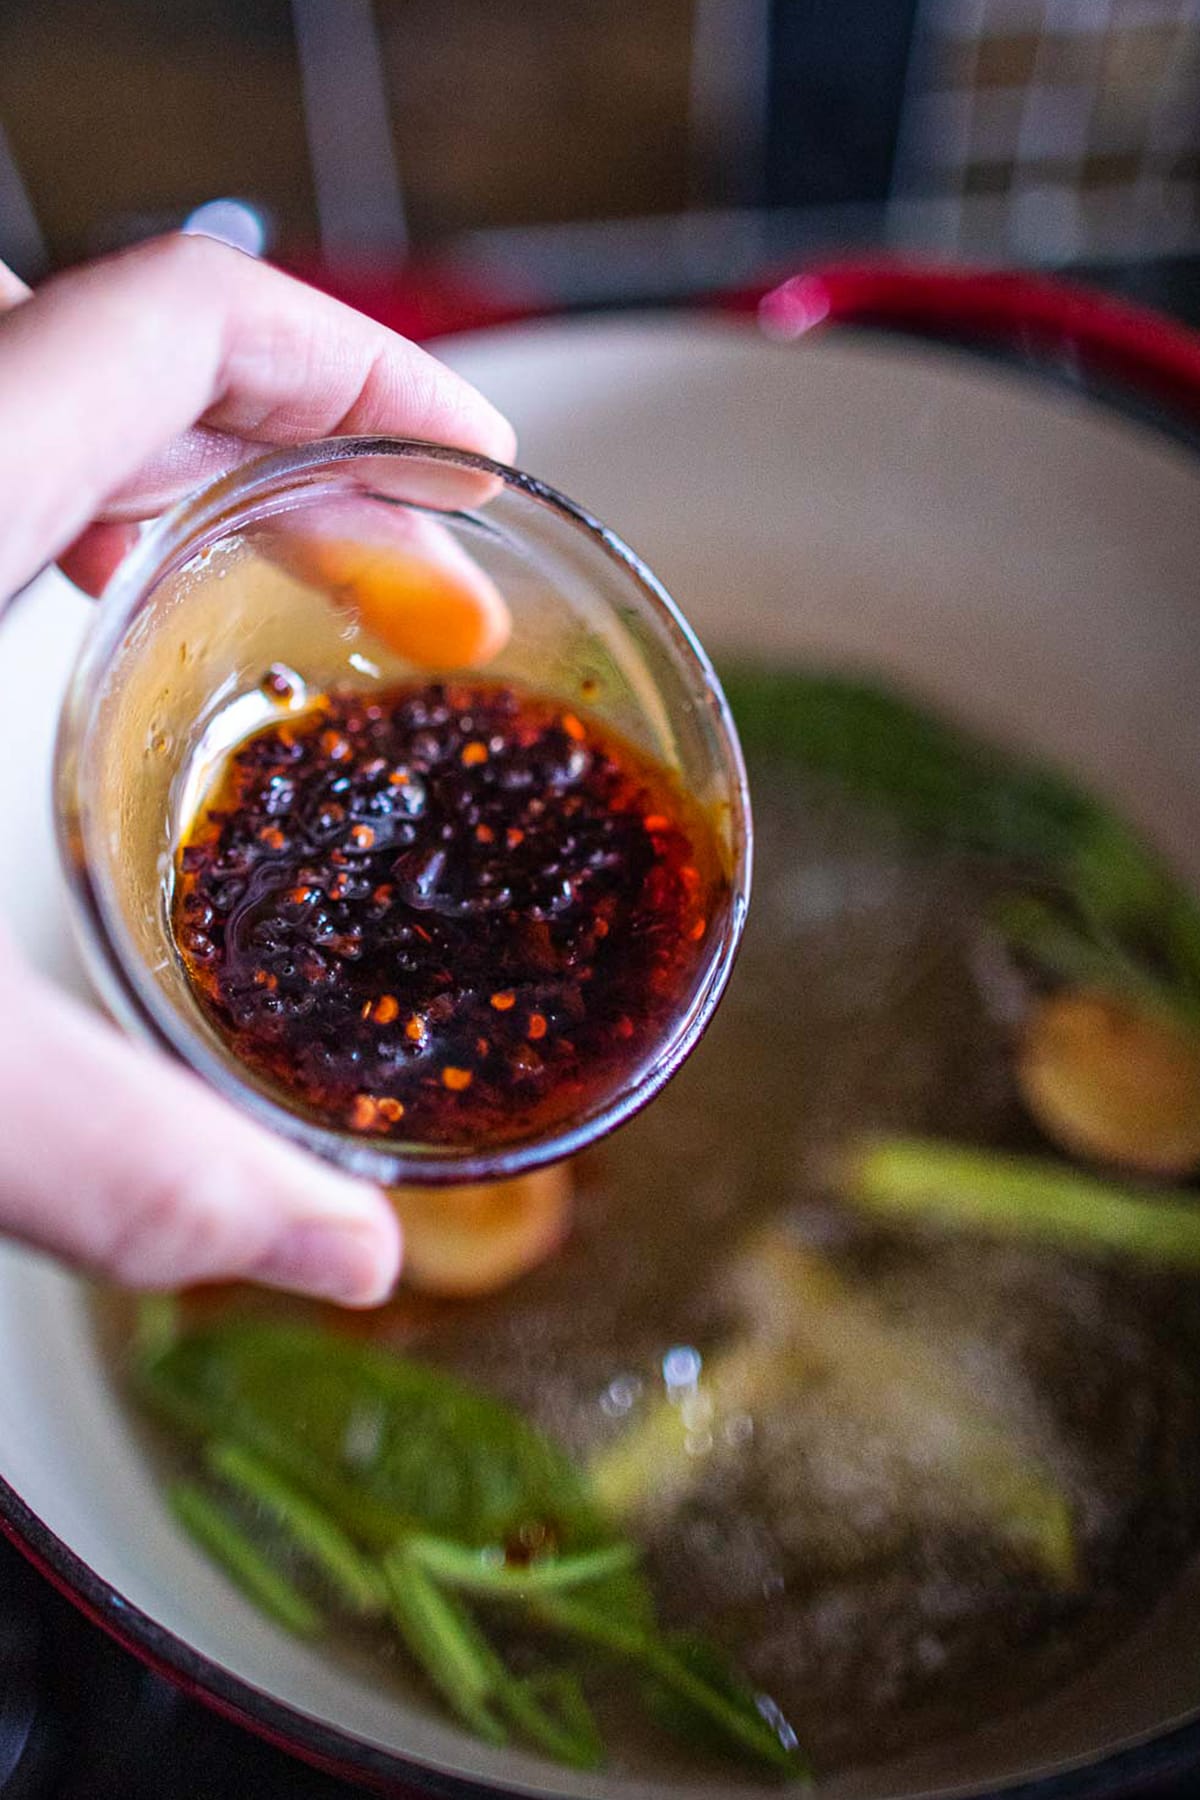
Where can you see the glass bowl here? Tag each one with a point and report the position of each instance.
(171, 675)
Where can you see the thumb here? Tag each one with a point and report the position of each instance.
(116, 1160)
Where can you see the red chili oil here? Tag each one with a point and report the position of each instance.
(450, 914)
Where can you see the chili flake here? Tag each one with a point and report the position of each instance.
(357, 869)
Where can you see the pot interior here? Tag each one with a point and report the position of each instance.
(1019, 558)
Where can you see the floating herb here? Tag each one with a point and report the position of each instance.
(413, 1497)
(486, 1574)
(352, 1576)
(1091, 901)
(215, 1531)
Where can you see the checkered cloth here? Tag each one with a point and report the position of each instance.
(1052, 129)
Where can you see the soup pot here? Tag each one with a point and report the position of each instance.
(1017, 554)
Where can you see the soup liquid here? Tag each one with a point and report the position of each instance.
(450, 914)
(815, 1553)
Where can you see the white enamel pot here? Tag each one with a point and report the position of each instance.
(1017, 554)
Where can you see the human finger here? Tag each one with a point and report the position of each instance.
(91, 559)
(401, 575)
(116, 1160)
(105, 368)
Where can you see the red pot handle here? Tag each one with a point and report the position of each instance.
(1107, 335)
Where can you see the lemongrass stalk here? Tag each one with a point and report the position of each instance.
(998, 1195)
(644, 1471)
(889, 1377)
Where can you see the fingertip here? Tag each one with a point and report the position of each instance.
(504, 438)
(403, 576)
(382, 1256)
(426, 398)
(350, 1256)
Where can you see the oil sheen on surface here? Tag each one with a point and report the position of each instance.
(813, 1549)
(450, 914)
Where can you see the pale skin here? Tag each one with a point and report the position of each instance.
(122, 385)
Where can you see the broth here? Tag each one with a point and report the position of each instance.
(815, 1545)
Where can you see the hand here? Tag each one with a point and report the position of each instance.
(122, 385)
(128, 382)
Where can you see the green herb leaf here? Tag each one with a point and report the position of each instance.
(733, 1715)
(928, 774)
(446, 1642)
(217, 1533)
(353, 1578)
(384, 1444)
(475, 1680)
(156, 1325)
(488, 1575)
(350, 1450)
(1107, 903)
(563, 1690)
(675, 1706)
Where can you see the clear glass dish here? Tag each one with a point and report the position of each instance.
(171, 675)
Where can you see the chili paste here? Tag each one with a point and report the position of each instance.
(452, 914)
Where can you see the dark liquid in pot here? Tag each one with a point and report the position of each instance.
(449, 914)
(823, 1555)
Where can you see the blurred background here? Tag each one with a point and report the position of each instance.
(604, 151)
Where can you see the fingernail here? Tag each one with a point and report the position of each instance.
(330, 1262)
